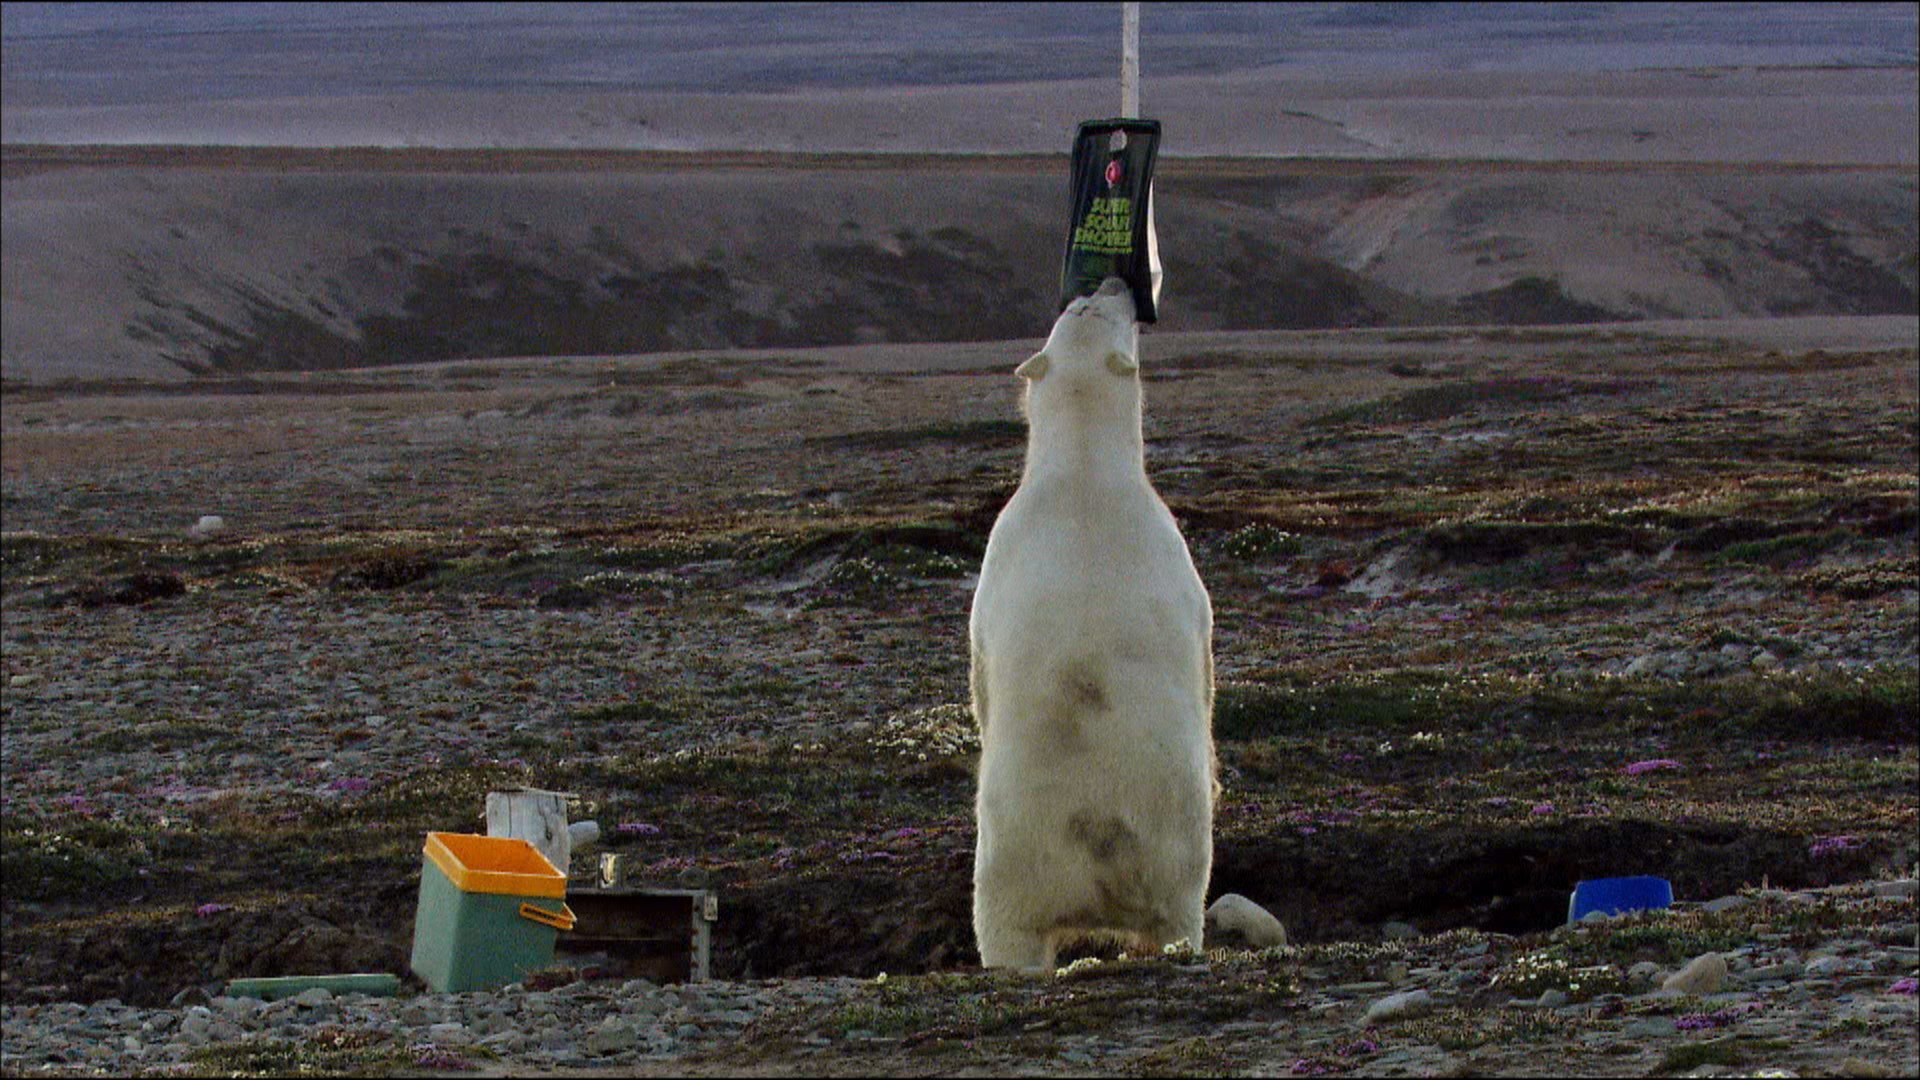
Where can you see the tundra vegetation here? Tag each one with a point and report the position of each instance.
(1497, 611)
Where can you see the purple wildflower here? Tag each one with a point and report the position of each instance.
(208, 911)
(636, 828)
(351, 784)
(1364, 1046)
(1639, 767)
(1906, 986)
(1541, 808)
(1717, 1019)
(1310, 1067)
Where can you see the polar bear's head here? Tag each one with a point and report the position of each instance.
(1093, 339)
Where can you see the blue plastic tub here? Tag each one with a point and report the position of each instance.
(1617, 895)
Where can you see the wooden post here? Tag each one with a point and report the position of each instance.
(538, 817)
(1130, 60)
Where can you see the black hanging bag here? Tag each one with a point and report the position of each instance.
(1111, 231)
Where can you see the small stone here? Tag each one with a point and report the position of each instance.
(1896, 889)
(1401, 1006)
(207, 526)
(1703, 975)
(1237, 919)
(450, 1033)
(316, 996)
(1724, 903)
(1826, 967)
(1552, 998)
(159, 1022)
(1647, 1029)
(612, 1037)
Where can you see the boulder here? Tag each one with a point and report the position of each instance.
(1235, 920)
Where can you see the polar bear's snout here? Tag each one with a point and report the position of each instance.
(1112, 300)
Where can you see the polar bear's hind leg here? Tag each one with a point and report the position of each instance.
(1005, 945)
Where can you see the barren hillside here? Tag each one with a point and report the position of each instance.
(162, 263)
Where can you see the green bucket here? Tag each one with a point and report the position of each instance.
(487, 913)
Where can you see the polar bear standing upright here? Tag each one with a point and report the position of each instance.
(1092, 677)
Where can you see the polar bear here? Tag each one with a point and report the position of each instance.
(1092, 672)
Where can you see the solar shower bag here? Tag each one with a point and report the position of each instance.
(1110, 233)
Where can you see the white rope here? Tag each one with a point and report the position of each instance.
(1130, 60)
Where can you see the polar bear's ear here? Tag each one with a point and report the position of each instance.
(1035, 367)
(1121, 364)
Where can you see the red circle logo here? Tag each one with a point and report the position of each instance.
(1113, 172)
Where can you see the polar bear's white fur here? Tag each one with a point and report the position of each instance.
(1092, 672)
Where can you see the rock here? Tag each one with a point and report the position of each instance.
(1703, 975)
(1647, 1029)
(1552, 998)
(1401, 1006)
(582, 833)
(314, 997)
(1398, 931)
(1234, 919)
(1896, 889)
(612, 1037)
(196, 1024)
(1724, 903)
(1826, 967)
(449, 1033)
(207, 526)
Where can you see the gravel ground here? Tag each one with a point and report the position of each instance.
(1776, 1005)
